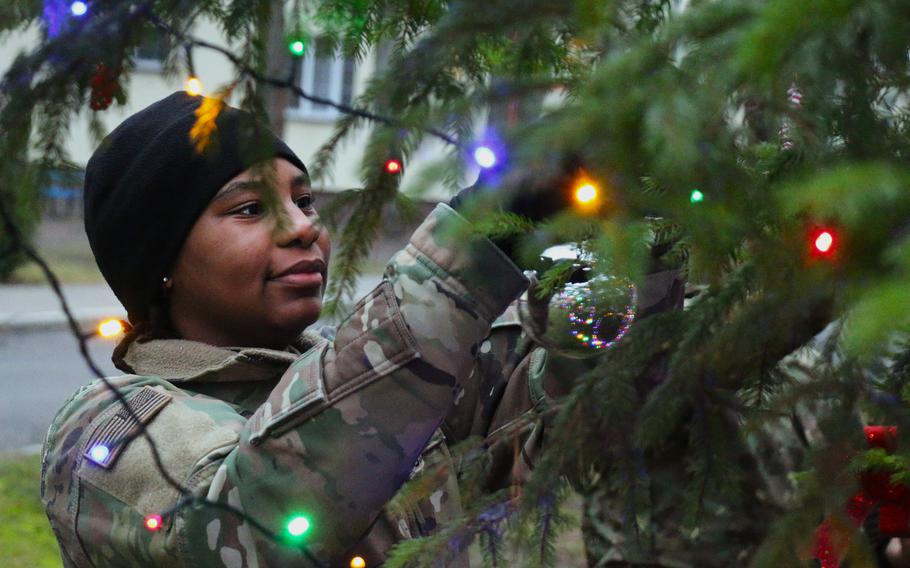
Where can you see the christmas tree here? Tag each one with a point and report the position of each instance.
(757, 147)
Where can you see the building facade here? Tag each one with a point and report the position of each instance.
(319, 71)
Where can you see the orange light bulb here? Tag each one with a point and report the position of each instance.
(109, 328)
(194, 86)
(586, 193)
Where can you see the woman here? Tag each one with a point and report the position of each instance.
(220, 261)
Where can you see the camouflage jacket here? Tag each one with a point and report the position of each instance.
(328, 430)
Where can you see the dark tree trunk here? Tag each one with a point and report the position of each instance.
(277, 99)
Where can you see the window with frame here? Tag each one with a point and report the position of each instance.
(325, 73)
(150, 54)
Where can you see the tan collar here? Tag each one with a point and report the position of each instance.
(184, 360)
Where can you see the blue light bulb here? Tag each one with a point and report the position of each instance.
(99, 453)
(485, 157)
(78, 8)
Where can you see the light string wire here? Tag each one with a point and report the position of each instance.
(18, 243)
(187, 497)
(190, 41)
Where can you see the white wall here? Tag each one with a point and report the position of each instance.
(303, 135)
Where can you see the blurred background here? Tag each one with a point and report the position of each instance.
(31, 321)
(32, 324)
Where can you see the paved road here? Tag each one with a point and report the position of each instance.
(41, 367)
(39, 370)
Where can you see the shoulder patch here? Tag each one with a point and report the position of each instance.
(509, 317)
(301, 397)
(115, 431)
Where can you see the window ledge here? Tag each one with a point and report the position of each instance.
(148, 66)
(298, 115)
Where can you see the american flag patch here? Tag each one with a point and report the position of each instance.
(112, 434)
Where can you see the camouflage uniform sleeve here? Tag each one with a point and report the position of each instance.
(98, 479)
(345, 425)
(336, 438)
(514, 375)
(334, 441)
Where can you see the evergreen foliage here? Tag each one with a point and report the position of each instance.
(716, 436)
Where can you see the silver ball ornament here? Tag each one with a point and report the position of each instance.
(583, 319)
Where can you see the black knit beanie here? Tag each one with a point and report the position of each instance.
(146, 185)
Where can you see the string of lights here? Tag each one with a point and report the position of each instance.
(297, 526)
(484, 155)
(79, 9)
(152, 522)
(483, 152)
(587, 194)
(297, 48)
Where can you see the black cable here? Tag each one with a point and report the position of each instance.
(18, 243)
(187, 39)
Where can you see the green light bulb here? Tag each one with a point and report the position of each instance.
(696, 196)
(297, 47)
(298, 525)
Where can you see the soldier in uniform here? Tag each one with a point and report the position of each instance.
(309, 434)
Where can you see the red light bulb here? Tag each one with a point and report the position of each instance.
(153, 522)
(393, 166)
(823, 242)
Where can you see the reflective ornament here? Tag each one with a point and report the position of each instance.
(587, 316)
(596, 314)
(105, 83)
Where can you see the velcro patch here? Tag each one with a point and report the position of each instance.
(301, 397)
(114, 432)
